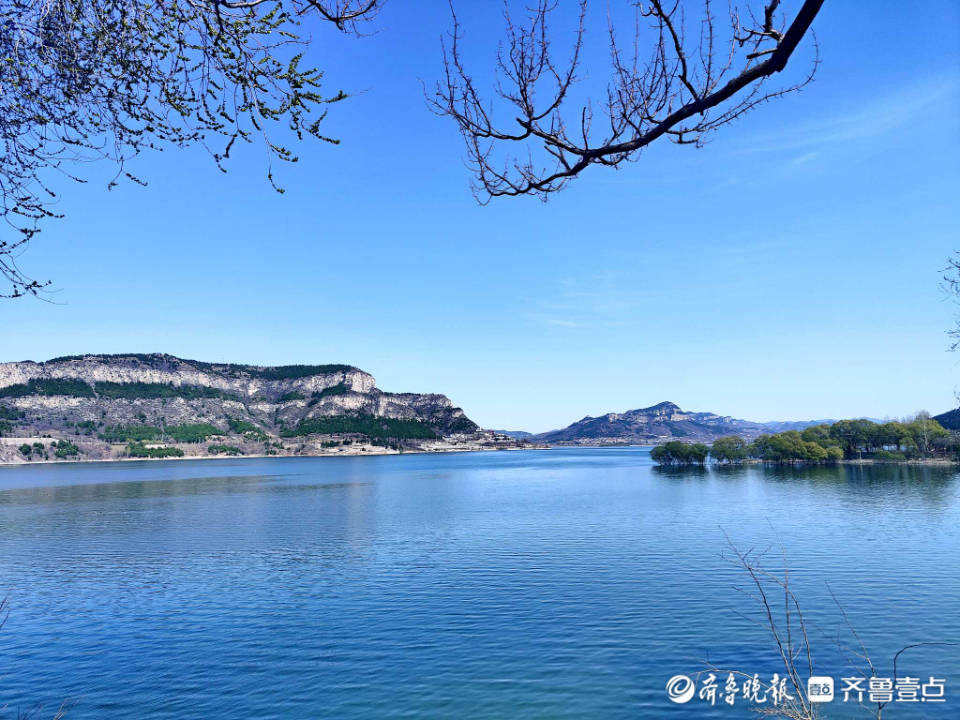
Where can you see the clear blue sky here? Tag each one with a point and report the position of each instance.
(788, 270)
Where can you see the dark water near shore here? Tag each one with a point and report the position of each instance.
(556, 584)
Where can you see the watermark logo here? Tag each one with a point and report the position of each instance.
(777, 691)
(820, 689)
(680, 689)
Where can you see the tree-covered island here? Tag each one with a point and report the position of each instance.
(921, 438)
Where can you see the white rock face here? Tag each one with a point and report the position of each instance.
(168, 370)
(272, 398)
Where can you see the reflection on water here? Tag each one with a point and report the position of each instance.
(565, 584)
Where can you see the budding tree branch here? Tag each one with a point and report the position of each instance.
(91, 80)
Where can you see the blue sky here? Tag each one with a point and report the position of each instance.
(788, 270)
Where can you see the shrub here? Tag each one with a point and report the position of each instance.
(338, 389)
(191, 432)
(49, 386)
(224, 450)
(241, 426)
(462, 424)
(9, 413)
(889, 456)
(283, 372)
(369, 425)
(187, 433)
(64, 449)
(138, 450)
(290, 372)
(247, 429)
(147, 391)
(135, 433)
(25, 450)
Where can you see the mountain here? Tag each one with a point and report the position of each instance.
(108, 406)
(950, 419)
(516, 434)
(784, 425)
(664, 421)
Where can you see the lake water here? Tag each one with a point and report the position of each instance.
(570, 583)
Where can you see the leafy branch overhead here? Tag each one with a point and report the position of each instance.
(87, 80)
(679, 78)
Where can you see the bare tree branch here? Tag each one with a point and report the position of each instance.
(671, 93)
(790, 649)
(951, 286)
(781, 628)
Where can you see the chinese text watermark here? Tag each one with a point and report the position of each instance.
(715, 689)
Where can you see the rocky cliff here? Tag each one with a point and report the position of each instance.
(106, 405)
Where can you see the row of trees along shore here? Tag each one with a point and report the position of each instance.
(920, 438)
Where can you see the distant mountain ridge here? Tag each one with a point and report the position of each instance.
(950, 419)
(515, 434)
(784, 425)
(663, 421)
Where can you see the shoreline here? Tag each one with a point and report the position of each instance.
(261, 456)
(380, 451)
(944, 462)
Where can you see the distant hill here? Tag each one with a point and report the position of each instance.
(664, 421)
(784, 425)
(515, 434)
(950, 419)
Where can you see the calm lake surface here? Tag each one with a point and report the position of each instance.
(566, 583)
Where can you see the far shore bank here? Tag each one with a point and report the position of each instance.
(351, 453)
(940, 462)
(376, 450)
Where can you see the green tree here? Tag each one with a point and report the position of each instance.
(758, 448)
(834, 454)
(729, 449)
(697, 453)
(676, 452)
(892, 434)
(812, 452)
(852, 436)
(790, 447)
(819, 434)
(924, 431)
